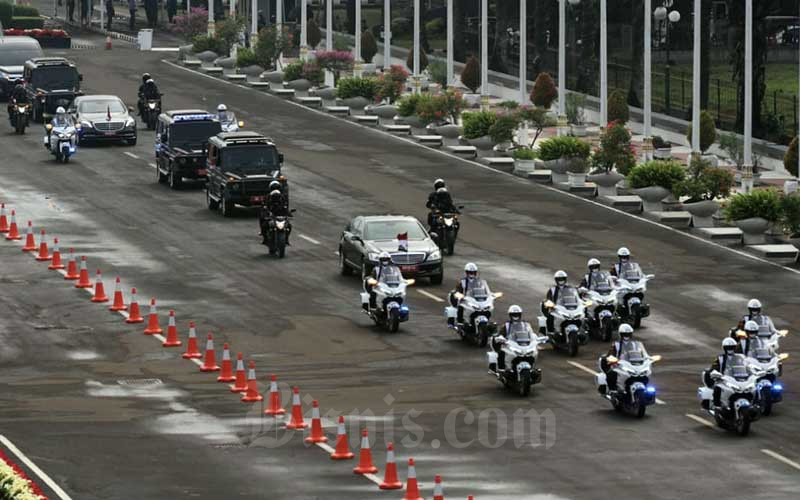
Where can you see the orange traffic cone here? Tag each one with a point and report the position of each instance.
(274, 398)
(438, 492)
(72, 266)
(210, 359)
(172, 332)
(56, 262)
(365, 465)
(240, 385)
(152, 321)
(134, 316)
(99, 289)
(297, 421)
(13, 232)
(30, 244)
(227, 367)
(317, 435)
(108, 42)
(44, 254)
(412, 489)
(83, 275)
(119, 302)
(390, 479)
(192, 351)
(342, 451)
(3, 219)
(252, 395)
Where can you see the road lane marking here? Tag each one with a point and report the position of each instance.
(309, 239)
(781, 458)
(701, 420)
(151, 165)
(719, 246)
(430, 295)
(131, 155)
(35, 469)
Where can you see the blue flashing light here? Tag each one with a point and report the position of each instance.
(404, 308)
(193, 118)
(777, 388)
(650, 389)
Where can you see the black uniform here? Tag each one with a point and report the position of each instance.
(275, 206)
(18, 95)
(439, 202)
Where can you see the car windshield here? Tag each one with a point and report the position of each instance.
(193, 134)
(630, 271)
(568, 297)
(390, 229)
(17, 57)
(391, 276)
(250, 160)
(601, 282)
(55, 78)
(101, 106)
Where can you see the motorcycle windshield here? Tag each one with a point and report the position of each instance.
(737, 367)
(391, 276)
(226, 117)
(519, 332)
(635, 357)
(568, 297)
(601, 282)
(762, 355)
(479, 292)
(630, 271)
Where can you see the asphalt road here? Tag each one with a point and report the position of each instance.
(63, 357)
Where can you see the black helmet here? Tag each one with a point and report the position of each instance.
(438, 183)
(145, 77)
(274, 185)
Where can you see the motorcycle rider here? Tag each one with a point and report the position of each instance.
(754, 314)
(275, 205)
(441, 202)
(593, 266)
(384, 263)
(18, 96)
(720, 364)
(619, 349)
(624, 256)
(438, 183)
(148, 91)
(223, 115)
(511, 331)
(746, 338)
(560, 278)
(469, 280)
(60, 120)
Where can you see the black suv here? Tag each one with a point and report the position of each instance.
(51, 82)
(241, 166)
(181, 143)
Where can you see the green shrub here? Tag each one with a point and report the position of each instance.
(438, 72)
(203, 42)
(563, 146)
(790, 214)
(708, 131)
(391, 83)
(764, 203)
(245, 57)
(710, 184)
(502, 130)
(423, 60)
(401, 26)
(271, 42)
(436, 108)
(615, 150)
(511, 105)
(293, 71)
(525, 154)
(341, 43)
(537, 119)
(664, 173)
(313, 33)
(368, 46)
(790, 158)
(228, 31)
(544, 91)
(477, 123)
(27, 23)
(618, 107)
(575, 106)
(357, 87)
(407, 105)
(435, 26)
(471, 74)
(9, 10)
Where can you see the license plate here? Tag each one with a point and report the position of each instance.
(201, 171)
(108, 133)
(408, 269)
(256, 199)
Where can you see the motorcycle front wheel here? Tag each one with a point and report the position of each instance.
(743, 426)
(640, 406)
(573, 345)
(280, 244)
(524, 383)
(766, 402)
(483, 335)
(394, 321)
(608, 331)
(636, 316)
(451, 241)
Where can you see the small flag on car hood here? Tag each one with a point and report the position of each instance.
(402, 242)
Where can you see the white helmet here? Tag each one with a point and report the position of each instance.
(442, 190)
(559, 276)
(728, 344)
(438, 183)
(222, 107)
(384, 256)
(751, 327)
(60, 110)
(471, 268)
(625, 330)
(593, 262)
(754, 304)
(623, 252)
(515, 310)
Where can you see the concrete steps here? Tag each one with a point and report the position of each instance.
(780, 253)
(371, 120)
(724, 235)
(429, 140)
(541, 176)
(676, 219)
(338, 110)
(631, 203)
(463, 151)
(285, 93)
(397, 129)
(312, 102)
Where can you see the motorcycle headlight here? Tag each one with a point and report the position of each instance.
(435, 255)
(448, 222)
(60, 135)
(151, 105)
(280, 224)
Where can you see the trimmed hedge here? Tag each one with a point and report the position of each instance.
(477, 123)
(27, 23)
(9, 10)
(357, 87)
(764, 203)
(563, 146)
(664, 173)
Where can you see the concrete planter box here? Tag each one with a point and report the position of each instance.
(524, 167)
(327, 93)
(228, 64)
(186, 51)
(412, 120)
(702, 212)
(651, 197)
(253, 72)
(662, 153)
(754, 230)
(473, 100)
(484, 143)
(448, 131)
(606, 183)
(273, 77)
(301, 84)
(387, 111)
(207, 57)
(576, 178)
(355, 103)
(578, 130)
(558, 169)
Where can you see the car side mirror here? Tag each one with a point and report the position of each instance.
(434, 235)
(280, 157)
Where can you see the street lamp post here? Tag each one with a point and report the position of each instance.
(450, 75)
(562, 67)
(211, 28)
(667, 20)
(696, 84)
(416, 77)
(523, 51)
(485, 54)
(603, 63)
(387, 35)
(303, 29)
(357, 33)
(747, 168)
(647, 147)
(328, 25)
(253, 22)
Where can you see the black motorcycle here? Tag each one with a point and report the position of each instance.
(20, 117)
(445, 230)
(151, 108)
(277, 233)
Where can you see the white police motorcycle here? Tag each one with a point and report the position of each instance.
(601, 309)
(390, 293)
(520, 371)
(569, 315)
(228, 121)
(478, 306)
(62, 139)
(739, 399)
(766, 363)
(633, 392)
(631, 287)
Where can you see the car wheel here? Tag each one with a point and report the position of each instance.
(132, 142)
(344, 269)
(437, 279)
(174, 179)
(161, 178)
(227, 207)
(211, 202)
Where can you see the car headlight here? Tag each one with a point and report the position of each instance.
(435, 255)
(373, 256)
(235, 186)
(86, 124)
(130, 122)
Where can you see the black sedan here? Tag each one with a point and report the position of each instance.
(104, 118)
